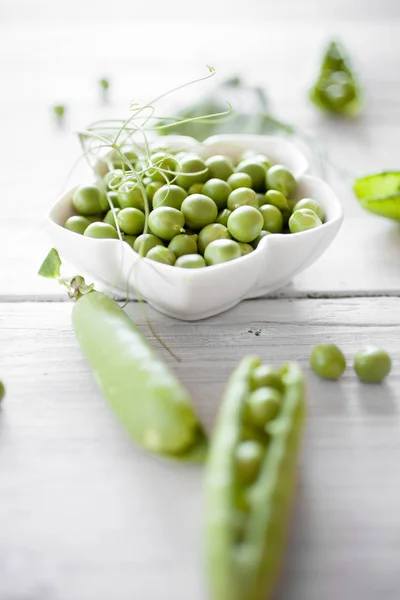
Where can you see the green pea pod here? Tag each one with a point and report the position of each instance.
(380, 193)
(246, 523)
(336, 89)
(148, 399)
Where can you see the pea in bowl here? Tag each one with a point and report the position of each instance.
(261, 266)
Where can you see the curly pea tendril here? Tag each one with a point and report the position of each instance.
(127, 142)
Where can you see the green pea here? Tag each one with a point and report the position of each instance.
(240, 180)
(263, 233)
(218, 190)
(169, 195)
(312, 205)
(113, 198)
(196, 188)
(89, 200)
(257, 172)
(220, 251)
(262, 199)
(327, 361)
(276, 199)
(101, 168)
(263, 406)
(112, 180)
(336, 90)
(303, 219)
(164, 167)
(190, 261)
(281, 179)
(192, 169)
(372, 364)
(192, 234)
(145, 242)
(245, 248)
(110, 218)
(273, 220)
(199, 211)
(130, 195)
(128, 156)
(220, 167)
(249, 153)
(254, 433)
(256, 157)
(223, 217)
(245, 223)
(161, 254)
(242, 196)
(147, 180)
(209, 233)
(249, 455)
(94, 218)
(261, 158)
(130, 239)
(151, 189)
(77, 224)
(101, 230)
(183, 244)
(266, 376)
(131, 220)
(166, 222)
(286, 214)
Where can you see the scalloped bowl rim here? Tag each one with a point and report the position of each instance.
(332, 224)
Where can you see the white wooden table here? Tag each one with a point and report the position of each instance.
(83, 514)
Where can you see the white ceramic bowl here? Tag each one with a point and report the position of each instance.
(192, 294)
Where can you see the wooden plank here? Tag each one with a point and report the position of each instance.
(85, 515)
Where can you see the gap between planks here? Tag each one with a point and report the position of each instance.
(283, 295)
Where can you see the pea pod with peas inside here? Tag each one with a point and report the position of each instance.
(251, 478)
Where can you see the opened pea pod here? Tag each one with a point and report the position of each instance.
(380, 193)
(336, 89)
(251, 479)
(146, 396)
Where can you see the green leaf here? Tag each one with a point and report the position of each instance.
(78, 287)
(51, 265)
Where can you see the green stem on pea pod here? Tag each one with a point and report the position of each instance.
(149, 400)
(248, 494)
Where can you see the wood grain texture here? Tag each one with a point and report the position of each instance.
(85, 516)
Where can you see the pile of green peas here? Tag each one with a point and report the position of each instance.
(201, 212)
